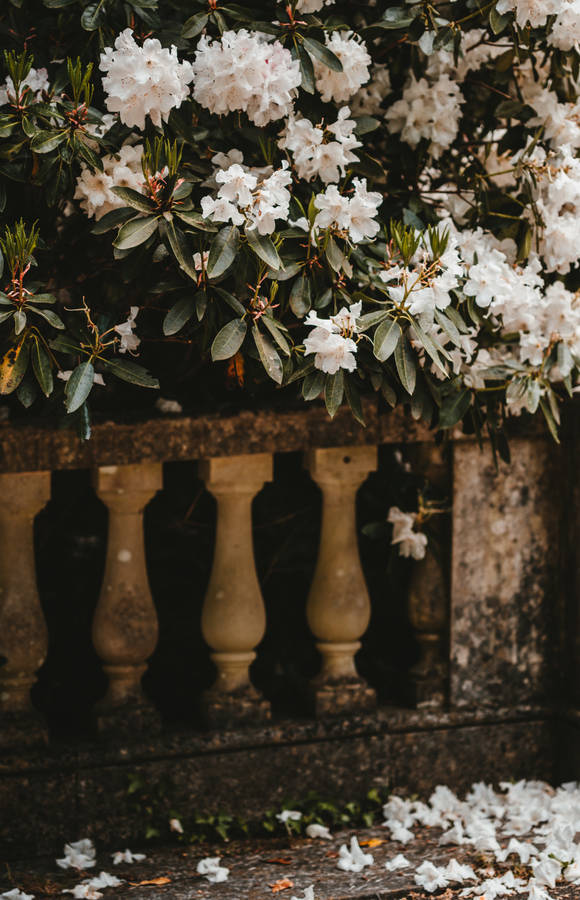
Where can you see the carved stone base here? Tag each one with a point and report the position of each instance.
(244, 706)
(337, 697)
(140, 718)
(427, 692)
(22, 730)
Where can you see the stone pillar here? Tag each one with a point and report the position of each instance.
(338, 607)
(428, 599)
(505, 557)
(125, 622)
(233, 620)
(23, 632)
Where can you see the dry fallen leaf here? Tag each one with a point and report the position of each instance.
(282, 861)
(281, 885)
(372, 842)
(163, 879)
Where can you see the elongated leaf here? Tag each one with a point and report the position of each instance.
(135, 232)
(222, 251)
(49, 315)
(27, 391)
(334, 255)
(313, 385)
(431, 347)
(111, 219)
(93, 16)
(200, 300)
(134, 199)
(406, 365)
(180, 248)
(232, 301)
(42, 368)
(373, 318)
(306, 70)
(180, 313)
(448, 327)
(353, 399)
(263, 247)
(387, 336)
(79, 386)
(194, 25)
(323, 54)
(454, 408)
(277, 334)
(268, 355)
(229, 339)
(334, 392)
(195, 219)
(6, 314)
(130, 371)
(300, 297)
(13, 366)
(45, 141)
(19, 321)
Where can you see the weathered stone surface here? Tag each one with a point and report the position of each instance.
(504, 563)
(247, 771)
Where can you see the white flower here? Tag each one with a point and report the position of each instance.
(565, 33)
(104, 880)
(78, 855)
(16, 894)
(397, 862)
(210, 867)
(355, 59)
(65, 374)
(200, 260)
(352, 214)
(430, 877)
(318, 831)
(321, 151)
(127, 856)
(537, 891)
(83, 892)
(129, 341)
(174, 824)
(122, 169)
(428, 112)
(289, 815)
(312, 6)
(331, 340)
(524, 851)
(36, 82)
(353, 859)
(532, 12)
(245, 71)
(246, 198)
(411, 543)
(143, 81)
(456, 872)
(169, 408)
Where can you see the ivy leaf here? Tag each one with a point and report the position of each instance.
(131, 372)
(334, 392)
(180, 313)
(135, 232)
(229, 339)
(322, 54)
(268, 355)
(406, 365)
(134, 199)
(79, 386)
(222, 251)
(387, 336)
(263, 247)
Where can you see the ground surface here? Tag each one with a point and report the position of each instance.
(262, 870)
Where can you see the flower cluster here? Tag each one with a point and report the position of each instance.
(331, 340)
(94, 189)
(429, 112)
(249, 198)
(355, 59)
(143, 81)
(245, 71)
(36, 82)
(320, 151)
(354, 215)
(410, 542)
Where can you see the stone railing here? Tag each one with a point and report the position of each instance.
(492, 628)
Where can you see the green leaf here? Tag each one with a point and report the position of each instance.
(200, 300)
(79, 386)
(135, 232)
(229, 339)
(263, 247)
(58, 4)
(431, 347)
(373, 318)
(19, 321)
(312, 385)
(195, 219)
(181, 250)
(300, 297)
(454, 408)
(334, 255)
(406, 365)
(111, 219)
(498, 22)
(334, 392)
(6, 314)
(13, 366)
(306, 70)
(353, 399)
(93, 16)
(322, 54)
(130, 371)
(268, 355)
(275, 330)
(27, 392)
(222, 251)
(49, 315)
(134, 199)
(45, 141)
(232, 301)
(366, 124)
(387, 336)
(448, 327)
(180, 313)
(194, 25)
(42, 368)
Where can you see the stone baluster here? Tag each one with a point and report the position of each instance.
(23, 632)
(125, 622)
(338, 607)
(233, 619)
(428, 598)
